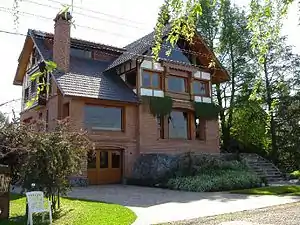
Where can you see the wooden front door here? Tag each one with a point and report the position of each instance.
(105, 167)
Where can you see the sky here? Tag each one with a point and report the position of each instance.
(113, 22)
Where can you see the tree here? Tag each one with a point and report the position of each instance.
(14, 139)
(224, 27)
(288, 132)
(54, 156)
(46, 159)
(3, 119)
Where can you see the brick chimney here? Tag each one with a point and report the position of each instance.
(62, 39)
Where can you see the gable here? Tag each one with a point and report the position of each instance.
(23, 60)
(188, 54)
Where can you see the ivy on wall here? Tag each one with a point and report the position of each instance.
(159, 106)
(206, 110)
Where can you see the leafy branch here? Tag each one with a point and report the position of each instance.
(40, 78)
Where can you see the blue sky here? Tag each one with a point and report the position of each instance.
(117, 23)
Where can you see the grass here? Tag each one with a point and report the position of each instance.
(271, 190)
(74, 212)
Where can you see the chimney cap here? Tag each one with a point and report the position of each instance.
(63, 16)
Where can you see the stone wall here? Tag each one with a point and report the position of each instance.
(154, 167)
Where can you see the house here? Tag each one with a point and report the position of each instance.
(102, 89)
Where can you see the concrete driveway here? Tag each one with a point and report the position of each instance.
(154, 205)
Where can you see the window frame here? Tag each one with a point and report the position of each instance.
(123, 122)
(186, 82)
(160, 122)
(207, 89)
(199, 128)
(188, 120)
(151, 72)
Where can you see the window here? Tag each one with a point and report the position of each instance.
(131, 79)
(81, 53)
(26, 95)
(91, 161)
(177, 84)
(178, 125)
(200, 128)
(103, 118)
(33, 86)
(200, 88)
(115, 159)
(160, 125)
(103, 159)
(151, 80)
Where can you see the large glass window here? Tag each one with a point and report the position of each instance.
(200, 88)
(178, 125)
(151, 80)
(177, 84)
(103, 118)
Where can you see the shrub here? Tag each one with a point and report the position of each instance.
(215, 181)
(295, 174)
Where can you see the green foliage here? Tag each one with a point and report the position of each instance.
(250, 115)
(159, 106)
(218, 180)
(295, 174)
(206, 110)
(196, 172)
(179, 18)
(41, 80)
(14, 139)
(272, 190)
(288, 132)
(73, 212)
(46, 159)
(53, 157)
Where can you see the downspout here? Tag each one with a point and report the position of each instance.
(138, 74)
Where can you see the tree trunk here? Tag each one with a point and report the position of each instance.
(230, 111)
(222, 117)
(269, 99)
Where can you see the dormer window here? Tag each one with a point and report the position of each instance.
(80, 53)
(151, 79)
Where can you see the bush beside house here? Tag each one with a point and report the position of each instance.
(193, 172)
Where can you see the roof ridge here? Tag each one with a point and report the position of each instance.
(74, 40)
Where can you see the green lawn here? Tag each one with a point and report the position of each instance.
(74, 212)
(279, 190)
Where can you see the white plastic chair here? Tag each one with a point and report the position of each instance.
(35, 201)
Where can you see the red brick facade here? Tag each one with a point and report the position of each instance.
(141, 133)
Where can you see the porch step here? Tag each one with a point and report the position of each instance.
(262, 167)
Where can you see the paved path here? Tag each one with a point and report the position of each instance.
(154, 205)
(287, 214)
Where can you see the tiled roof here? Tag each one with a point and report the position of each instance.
(142, 47)
(134, 50)
(86, 77)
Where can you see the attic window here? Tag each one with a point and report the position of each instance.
(35, 57)
(81, 53)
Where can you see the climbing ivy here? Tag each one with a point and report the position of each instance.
(159, 106)
(40, 77)
(206, 110)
